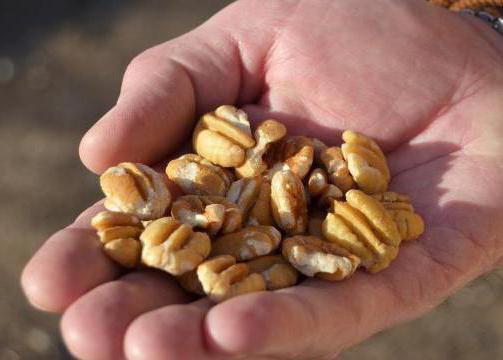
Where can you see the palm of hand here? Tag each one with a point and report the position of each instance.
(398, 72)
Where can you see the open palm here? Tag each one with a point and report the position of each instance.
(425, 83)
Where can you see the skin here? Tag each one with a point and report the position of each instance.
(424, 82)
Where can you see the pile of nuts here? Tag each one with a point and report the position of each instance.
(258, 209)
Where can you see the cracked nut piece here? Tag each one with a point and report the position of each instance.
(337, 168)
(261, 213)
(247, 243)
(268, 132)
(295, 153)
(288, 202)
(190, 282)
(314, 257)
(223, 279)
(173, 247)
(244, 193)
(276, 271)
(366, 162)
(318, 186)
(223, 136)
(136, 189)
(196, 175)
(212, 213)
(363, 227)
(119, 232)
(410, 224)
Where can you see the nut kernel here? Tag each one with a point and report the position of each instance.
(268, 132)
(366, 162)
(212, 213)
(118, 232)
(288, 202)
(318, 186)
(247, 243)
(223, 136)
(173, 247)
(244, 193)
(315, 257)
(337, 168)
(261, 212)
(222, 278)
(410, 225)
(362, 223)
(136, 189)
(295, 153)
(276, 271)
(196, 175)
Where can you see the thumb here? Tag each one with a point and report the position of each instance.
(162, 90)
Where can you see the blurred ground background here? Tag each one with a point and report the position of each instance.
(61, 63)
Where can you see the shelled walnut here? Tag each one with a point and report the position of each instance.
(410, 225)
(288, 202)
(318, 187)
(267, 133)
(244, 193)
(212, 213)
(314, 257)
(330, 203)
(247, 243)
(222, 278)
(196, 175)
(173, 247)
(119, 232)
(223, 136)
(277, 272)
(136, 189)
(337, 168)
(363, 227)
(366, 162)
(294, 153)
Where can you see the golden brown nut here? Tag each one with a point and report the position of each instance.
(288, 202)
(173, 247)
(223, 136)
(247, 243)
(337, 168)
(394, 201)
(222, 278)
(190, 282)
(318, 186)
(119, 232)
(363, 227)
(268, 132)
(212, 213)
(244, 193)
(277, 272)
(366, 162)
(261, 213)
(315, 257)
(136, 189)
(410, 225)
(295, 153)
(196, 175)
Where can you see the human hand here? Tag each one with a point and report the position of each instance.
(423, 82)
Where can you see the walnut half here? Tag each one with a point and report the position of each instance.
(222, 278)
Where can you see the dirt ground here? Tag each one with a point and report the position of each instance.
(60, 69)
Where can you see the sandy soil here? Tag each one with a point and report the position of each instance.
(60, 68)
